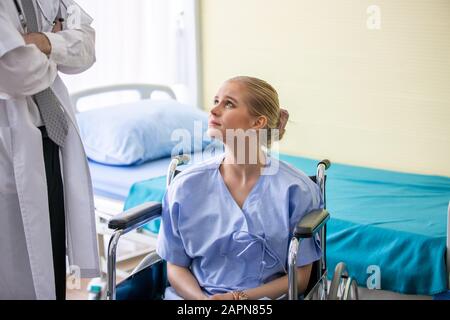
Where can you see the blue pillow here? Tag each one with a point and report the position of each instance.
(137, 132)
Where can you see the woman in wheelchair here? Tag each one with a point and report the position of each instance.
(227, 222)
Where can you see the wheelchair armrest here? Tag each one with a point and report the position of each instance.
(135, 217)
(311, 223)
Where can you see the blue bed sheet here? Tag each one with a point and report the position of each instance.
(395, 221)
(115, 181)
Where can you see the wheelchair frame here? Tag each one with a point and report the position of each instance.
(341, 287)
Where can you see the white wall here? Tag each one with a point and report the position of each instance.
(378, 98)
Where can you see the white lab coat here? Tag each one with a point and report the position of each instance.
(26, 265)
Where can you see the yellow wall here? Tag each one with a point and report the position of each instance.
(377, 98)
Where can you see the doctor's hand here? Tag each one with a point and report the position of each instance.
(58, 26)
(40, 40)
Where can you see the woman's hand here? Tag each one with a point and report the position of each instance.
(183, 281)
(222, 296)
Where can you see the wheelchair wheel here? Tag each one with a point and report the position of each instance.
(318, 292)
(351, 290)
(342, 286)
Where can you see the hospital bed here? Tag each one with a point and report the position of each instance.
(111, 184)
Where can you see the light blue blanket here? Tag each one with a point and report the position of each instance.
(391, 220)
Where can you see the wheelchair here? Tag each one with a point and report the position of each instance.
(148, 280)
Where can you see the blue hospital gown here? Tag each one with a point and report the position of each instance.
(229, 248)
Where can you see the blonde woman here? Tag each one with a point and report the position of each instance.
(226, 222)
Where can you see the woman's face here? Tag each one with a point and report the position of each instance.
(230, 111)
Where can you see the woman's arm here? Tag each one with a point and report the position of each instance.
(273, 289)
(184, 282)
(278, 287)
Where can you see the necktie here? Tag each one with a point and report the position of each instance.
(48, 104)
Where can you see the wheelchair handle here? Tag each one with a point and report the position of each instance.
(322, 166)
(307, 227)
(133, 218)
(310, 224)
(326, 163)
(320, 180)
(123, 223)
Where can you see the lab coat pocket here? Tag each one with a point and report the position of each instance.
(7, 182)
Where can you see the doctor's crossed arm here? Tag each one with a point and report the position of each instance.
(40, 40)
(33, 60)
(24, 68)
(71, 46)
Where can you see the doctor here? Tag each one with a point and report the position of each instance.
(46, 203)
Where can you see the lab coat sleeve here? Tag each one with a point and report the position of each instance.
(25, 71)
(73, 48)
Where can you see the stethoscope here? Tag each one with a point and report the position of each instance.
(23, 21)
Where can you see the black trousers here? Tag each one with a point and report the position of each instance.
(57, 216)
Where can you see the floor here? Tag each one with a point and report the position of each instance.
(364, 293)
(82, 293)
(129, 245)
(79, 294)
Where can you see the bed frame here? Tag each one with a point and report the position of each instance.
(105, 208)
(145, 91)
